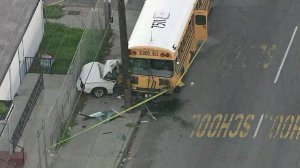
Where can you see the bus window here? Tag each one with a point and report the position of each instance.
(200, 20)
(162, 65)
(162, 68)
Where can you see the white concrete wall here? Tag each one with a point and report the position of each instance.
(34, 33)
(14, 76)
(5, 87)
(27, 48)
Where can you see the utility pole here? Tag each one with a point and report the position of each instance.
(124, 52)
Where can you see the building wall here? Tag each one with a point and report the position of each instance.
(5, 88)
(27, 48)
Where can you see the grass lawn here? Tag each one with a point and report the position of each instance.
(60, 42)
(4, 108)
(53, 12)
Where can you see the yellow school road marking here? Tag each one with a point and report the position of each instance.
(240, 126)
(221, 125)
(267, 51)
(285, 127)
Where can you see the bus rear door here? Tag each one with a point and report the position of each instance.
(200, 15)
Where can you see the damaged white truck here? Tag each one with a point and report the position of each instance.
(99, 79)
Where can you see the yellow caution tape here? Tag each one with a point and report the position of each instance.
(179, 81)
(108, 119)
(130, 108)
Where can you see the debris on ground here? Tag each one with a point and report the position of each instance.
(101, 116)
(106, 133)
(192, 84)
(125, 159)
(119, 97)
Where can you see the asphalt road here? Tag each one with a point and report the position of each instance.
(234, 116)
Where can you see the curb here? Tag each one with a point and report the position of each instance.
(127, 142)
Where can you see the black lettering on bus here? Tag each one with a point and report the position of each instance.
(161, 23)
(154, 53)
(144, 53)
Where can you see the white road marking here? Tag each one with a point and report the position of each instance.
(285, 55)
(258, 125)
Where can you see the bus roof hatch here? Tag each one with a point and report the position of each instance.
(161, 15)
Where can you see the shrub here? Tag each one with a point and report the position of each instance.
(3, 108)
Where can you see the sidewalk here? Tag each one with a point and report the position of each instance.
(103, 146)
(30, 136)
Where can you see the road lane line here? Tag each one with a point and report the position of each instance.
(258, 125)
(285, 55)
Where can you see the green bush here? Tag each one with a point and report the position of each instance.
(53, 12)
(3, 109)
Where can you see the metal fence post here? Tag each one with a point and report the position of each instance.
(38, 148)
(45, 145)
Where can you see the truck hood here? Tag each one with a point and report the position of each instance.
(95, 71)
(90, 72)
(110, 65)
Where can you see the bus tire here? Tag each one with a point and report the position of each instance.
(99, 92)
(177, 89)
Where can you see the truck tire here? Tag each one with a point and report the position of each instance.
(99, 92)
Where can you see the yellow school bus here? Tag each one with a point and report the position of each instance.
(164, 41)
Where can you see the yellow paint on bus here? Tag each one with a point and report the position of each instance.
(169, 65)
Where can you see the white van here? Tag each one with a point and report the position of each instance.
(99, 79)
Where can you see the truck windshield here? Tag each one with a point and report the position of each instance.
(163, 68)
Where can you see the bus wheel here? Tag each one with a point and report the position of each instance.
(177, 89)
(99, 92)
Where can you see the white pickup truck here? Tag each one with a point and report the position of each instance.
(99, 79)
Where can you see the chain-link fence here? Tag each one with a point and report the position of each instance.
(92, 46)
